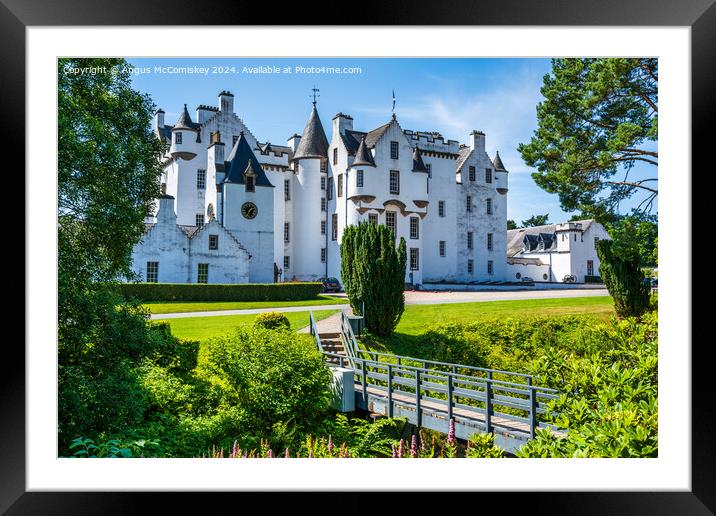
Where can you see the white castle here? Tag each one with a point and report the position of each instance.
(236, 210)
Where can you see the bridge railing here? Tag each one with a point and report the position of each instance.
(495, 405)
(314, 331)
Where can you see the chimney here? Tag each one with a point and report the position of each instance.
(477, 141)
(226, 102)
(159, 119)
(166, 212)
(293, 141)
(216, 147)
(341, 122)
(204, 112)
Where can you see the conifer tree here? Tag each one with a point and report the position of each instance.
(373, 273)
(624, 279)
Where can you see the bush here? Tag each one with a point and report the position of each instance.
(624, 279)
(145, 292)
(593, 279)
(272, 321)
(176, 354)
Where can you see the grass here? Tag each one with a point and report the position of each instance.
(204, 328)
(173, 307)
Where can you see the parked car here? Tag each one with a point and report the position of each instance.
(331, 285)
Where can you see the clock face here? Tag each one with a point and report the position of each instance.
(249, 210)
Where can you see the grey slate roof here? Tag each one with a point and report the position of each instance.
(515, 237)
(363, 156)
(314, 143)
(418, 164)
(239, 161)
(498, 163)
(462, 157)
(352, 139)
(184, 121)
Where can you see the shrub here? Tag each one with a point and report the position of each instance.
(624, 279)
(593, 279)
(176, 354)
(145, 292)
(272, 321)
(373, 272)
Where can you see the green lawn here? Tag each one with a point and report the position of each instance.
(417, 317)
(173, 307)
(203, 328)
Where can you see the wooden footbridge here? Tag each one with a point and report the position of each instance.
(430, 393)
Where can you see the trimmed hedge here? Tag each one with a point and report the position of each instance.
(221, 292)
(593, 279)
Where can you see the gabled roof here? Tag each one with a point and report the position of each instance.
(515, 237)
(363, 156)
(242, 159)
(314, 143)
(498, 163)
(418, 164)
(462, 157)
(352, 139)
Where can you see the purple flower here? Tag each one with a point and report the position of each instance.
(330, 444)
(400, 449)
(288, 456)
(422, 441)
(451, 433)
(270, 454)
(394, 450)
(414, 446)
(234, 450)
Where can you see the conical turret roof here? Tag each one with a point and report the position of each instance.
(498, 163)
(184, 121)
(363, 156)
(418, 164)
(314, 143)
(242, 160)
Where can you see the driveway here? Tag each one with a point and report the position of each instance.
(413, 298)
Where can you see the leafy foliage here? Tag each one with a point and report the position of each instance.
(536, 220)
(636, 232)
(511, 224)
(599, 116)
(272, 321)
(219, 292)
(623, 278)
(373, 272)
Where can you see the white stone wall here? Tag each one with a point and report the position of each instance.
(227, 264)
(306, 236)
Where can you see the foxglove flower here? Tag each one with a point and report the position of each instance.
(330, 444)
(414, 446)
(400, 449)
(451, 433)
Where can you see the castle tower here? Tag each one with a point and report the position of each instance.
(307, 244)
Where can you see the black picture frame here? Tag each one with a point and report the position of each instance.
(700, 15)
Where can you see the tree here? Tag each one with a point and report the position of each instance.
(536, 220)
(638, 232)
(511, 224)
(373, 272)
(623, 277)
(599, 117)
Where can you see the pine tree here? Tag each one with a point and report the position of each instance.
(373, 273)
(624, 279)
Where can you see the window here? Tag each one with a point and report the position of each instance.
(250, 185)
(323, 204)
(469, 239)
(286, 262)
(596, 239)
(590, 268)
(470, 266)
(202, 273)
(324, 166)
(489, 206)
(390, 220)
(201, 179)
(340, 185)
(429, 168)
(286, 189)
(152, 272)
(489, 267)
(544, 277)
(177, 138)
(489, 241)
(518, 275)
(323, 227)
(359, 179)
(373, 218)
(472, 173)
(213, 242)
(394, 182)
(414, 258)
(329, 191)
(335, 156)
(442, 248)
(488, 175)
(468, 206)
(393, 150)
(323, 255)
(199, 219)
(323, 183)
(441, 208)
(334, 226)
(414, 228)
(286, 231)
(575, 237)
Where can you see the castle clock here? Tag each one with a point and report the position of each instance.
(249, 210)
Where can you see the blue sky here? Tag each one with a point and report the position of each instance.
(452, 96)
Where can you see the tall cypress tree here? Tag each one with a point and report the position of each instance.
(624, 279)
(373, 272)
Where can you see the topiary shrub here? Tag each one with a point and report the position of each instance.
(373, 272)
(623, 277)
(272, 321)
(144, 292)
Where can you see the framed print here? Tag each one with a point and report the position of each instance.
(249, 217)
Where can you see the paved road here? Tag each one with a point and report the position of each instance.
(414, 298)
